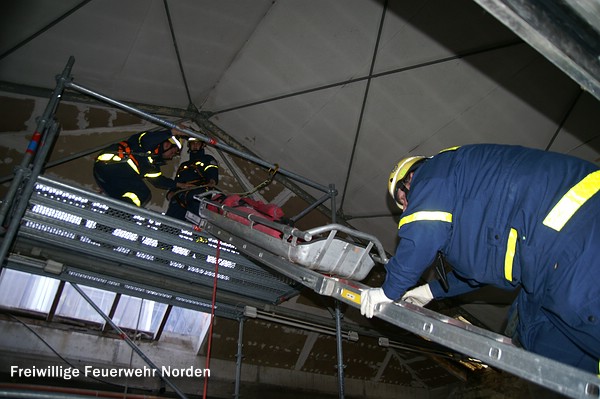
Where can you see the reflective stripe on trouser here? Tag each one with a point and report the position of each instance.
(572, 201)
(133, 197)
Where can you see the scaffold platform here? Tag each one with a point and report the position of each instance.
(101, 242)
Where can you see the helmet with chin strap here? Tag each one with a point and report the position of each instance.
(195, 140)
(399, 174)
(176, 142)
(153, 141)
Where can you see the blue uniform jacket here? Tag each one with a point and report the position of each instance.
(144, 147)
(200, 168)
(485, 207)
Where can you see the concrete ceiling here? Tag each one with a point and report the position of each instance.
(333, 90)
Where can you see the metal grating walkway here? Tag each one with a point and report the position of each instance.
(98, 241)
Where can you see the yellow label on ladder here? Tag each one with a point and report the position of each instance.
(350, 295)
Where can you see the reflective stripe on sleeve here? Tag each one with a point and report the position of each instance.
(108, 157)
(572, 201)
(511, 247)
(151, 175)
(426, 215)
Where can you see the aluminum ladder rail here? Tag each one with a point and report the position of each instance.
(490, 348)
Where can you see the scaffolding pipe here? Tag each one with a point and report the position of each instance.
(310, 208)
(245, 185)
(128, 340)
(340, 356)
(238, 359)
(27, 394)
(21, 206)
(30, 391)
(208, 140)
(42, 126)
(332, 194)
(338, 314)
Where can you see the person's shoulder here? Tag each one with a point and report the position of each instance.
(186, 164)
(210, 159)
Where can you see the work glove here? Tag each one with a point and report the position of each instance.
(419, 296)
(370, 298)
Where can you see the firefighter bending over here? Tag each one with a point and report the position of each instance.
(511, 217)
(122, 169)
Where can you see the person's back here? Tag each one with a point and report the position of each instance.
(491, 189)
(507, 216)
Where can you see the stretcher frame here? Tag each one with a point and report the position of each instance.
(322, 248)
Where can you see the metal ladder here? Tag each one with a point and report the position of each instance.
(490, 348)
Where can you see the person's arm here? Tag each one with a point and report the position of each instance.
(408, 264)
(159, 181)
(420, 241)
(423, 294)
(424, 230)
(211, 172)
(456, 286)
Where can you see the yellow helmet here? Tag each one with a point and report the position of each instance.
(400, 171)
(175, 141)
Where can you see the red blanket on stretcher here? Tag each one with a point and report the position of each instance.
(253, 207)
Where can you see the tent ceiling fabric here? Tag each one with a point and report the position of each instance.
(336, 91)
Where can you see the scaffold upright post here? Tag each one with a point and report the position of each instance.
(239, 357)
(20, 205)
(30, 152)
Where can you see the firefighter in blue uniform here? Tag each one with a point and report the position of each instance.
(201, 172)
(510, 217)
(122, 169)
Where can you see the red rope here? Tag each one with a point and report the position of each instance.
(212, 317)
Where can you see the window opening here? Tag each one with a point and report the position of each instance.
(188, 322)
(26, 291)
(72, 305)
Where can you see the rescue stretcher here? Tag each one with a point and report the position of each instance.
(331, 249)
